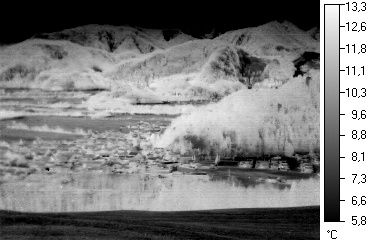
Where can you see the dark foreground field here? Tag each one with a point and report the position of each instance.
(288, 223)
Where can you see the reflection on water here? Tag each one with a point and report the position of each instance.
(104, 192)
(248, 181)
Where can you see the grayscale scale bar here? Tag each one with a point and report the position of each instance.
(331, 114)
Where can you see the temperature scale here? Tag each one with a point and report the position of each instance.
(345, 213)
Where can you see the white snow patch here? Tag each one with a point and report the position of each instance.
(259, 121)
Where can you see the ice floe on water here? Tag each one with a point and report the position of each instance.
(46, 128)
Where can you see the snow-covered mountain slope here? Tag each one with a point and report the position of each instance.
(197, 69)
(53, 65)
(164, 65)
(273, 39)
(120, 39)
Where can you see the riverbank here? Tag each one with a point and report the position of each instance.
(276, 223)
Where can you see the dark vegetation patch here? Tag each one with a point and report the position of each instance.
(311, 59)
(250, 68)
(293, 163)
(96, 68)
(54, 51)
(73, 36)
(170, 34)
(242, 38)
(280, 48)
(20, 164)
(239, 64)
(105, 36)
(141, 45)
(94, 90)
(18, 71)
(109, 39)
(315, 33)
(226, 62)
(197, 142)
(151, 48)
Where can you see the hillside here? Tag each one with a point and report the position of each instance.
(167, 63)
(262, 82)
(120, 39)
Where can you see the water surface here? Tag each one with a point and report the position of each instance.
(178, 192)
